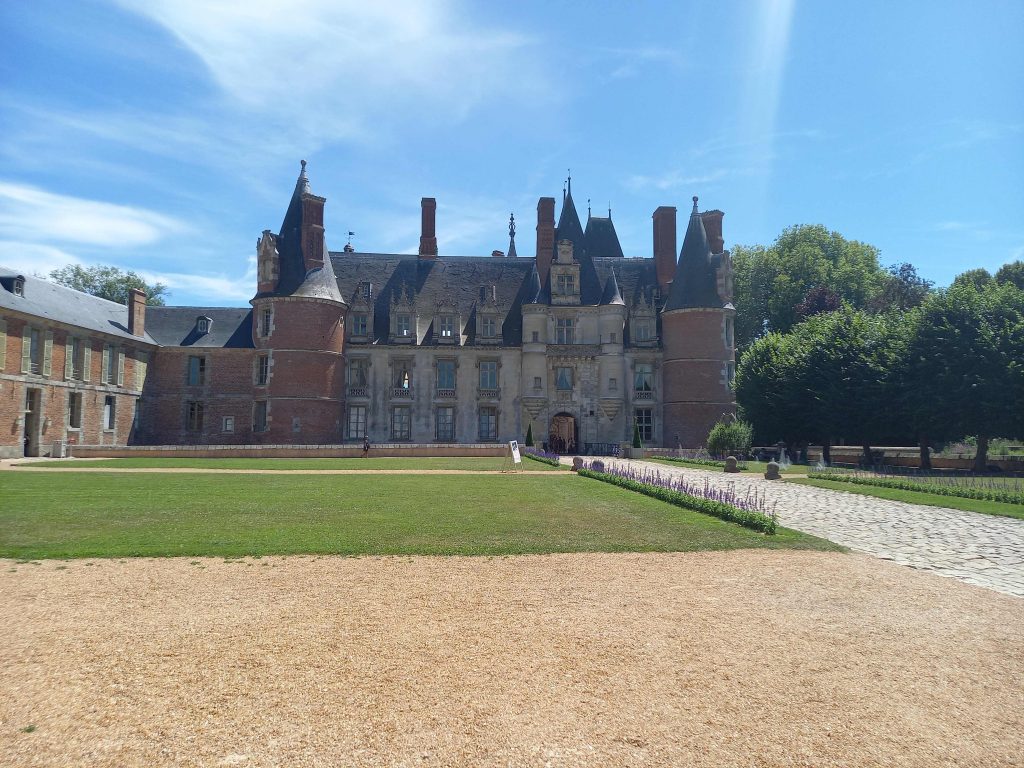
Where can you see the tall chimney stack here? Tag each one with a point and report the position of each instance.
(665, 244)
(713, 227)
(136, 312)
(545, 236)
(428, 231)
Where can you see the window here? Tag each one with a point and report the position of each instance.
(489, 374)
(488, 328)
(109, 412)
(728, 332)
(565, 331)
(566, 284)
(447, 325)
(404, 325)
(75, 410)
(35, 354)
(444, 424)
(359, 325)
(266, 321)
(74, 362)
(446, 374)
(403, 376)
(262, 370)
(366, 289)
(194, 419)
(611, 337)
(535, 336)
(563, 378)
(642, 330)
(645, 422)
(19, 287)
(227, 424)
(613, 385)
(537, 382)
(400, 423)
(357, 422)
(112, 366)
(196, 371)
(359, 372)
(643, 377)
(259, 416)
(488, 422)
(730, 373)
(203, 325)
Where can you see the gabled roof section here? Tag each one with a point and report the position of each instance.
(602, 240)
(230, 327)
(51, 301)
(569, 228)
(695, 283)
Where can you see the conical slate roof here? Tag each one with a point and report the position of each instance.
(533, 286)
(611, 293)
(695, 283)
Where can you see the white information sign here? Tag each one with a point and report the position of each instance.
(515, 452)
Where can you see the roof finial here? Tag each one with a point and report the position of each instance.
(609, 209)
(512, 225)
(588, 209)
(303, 164)
(694, 203)
(569, 180)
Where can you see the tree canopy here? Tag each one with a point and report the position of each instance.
(108, 283)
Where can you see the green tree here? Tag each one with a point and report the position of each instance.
(730, 437)
(108, 283)
(902, 289)
(964, 361)
(977, 278)
(770, 283)
(1012, 273)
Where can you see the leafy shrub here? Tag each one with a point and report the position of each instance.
(636, 436)
(529, 435)
(730, 437)
(991, 493)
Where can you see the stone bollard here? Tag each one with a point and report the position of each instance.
(577, 463)
(773, 471)
(730, 464)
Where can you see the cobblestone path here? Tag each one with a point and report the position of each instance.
(979, 549)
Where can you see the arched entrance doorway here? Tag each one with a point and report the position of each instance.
(563, 437)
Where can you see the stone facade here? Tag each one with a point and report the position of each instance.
(579, 341)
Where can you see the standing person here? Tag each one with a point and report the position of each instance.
(366, 445)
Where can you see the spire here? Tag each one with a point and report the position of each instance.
(533, 286)
(611, 293)
(695, 283)
(512, 236)
(302, 185)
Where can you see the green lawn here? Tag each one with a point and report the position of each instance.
(752, 467)
(476, 463)
(122, 515)
(915, 497)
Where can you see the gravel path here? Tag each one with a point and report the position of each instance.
(979, 549)
(697, 659)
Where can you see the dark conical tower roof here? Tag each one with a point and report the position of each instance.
(611, 293)
(695, 283)
(533, 287)
(569, 228)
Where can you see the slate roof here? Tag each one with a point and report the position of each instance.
(569, 228)
(695, 283)
(65, 305)
(601, 238)
(231, 327)
(611, 293)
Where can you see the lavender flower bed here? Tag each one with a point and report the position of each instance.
(750, 510)
(538, 455)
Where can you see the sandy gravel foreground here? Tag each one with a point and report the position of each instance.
(697, 659)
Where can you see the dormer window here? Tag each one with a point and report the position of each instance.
(447, 327)
(488, 327)
(566, 284)
(404, 325)
(19, 286)
(642, 331)
(203, 324)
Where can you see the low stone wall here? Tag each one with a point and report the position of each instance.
(283, 451)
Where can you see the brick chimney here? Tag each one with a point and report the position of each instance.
(665, 244)
(713, 227)
(312, 231)
(545, 236)
(428, 230)
(136, 312)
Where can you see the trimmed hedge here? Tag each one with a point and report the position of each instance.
(898, 484)
(696, 462)
(754, 520)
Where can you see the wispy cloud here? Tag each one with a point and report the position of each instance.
(33, 214)
(33, 258)
(404, 61)
(630, 62)
(213, 287)
(673, 179)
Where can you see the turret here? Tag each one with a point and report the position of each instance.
(298, 327)
(697, 330)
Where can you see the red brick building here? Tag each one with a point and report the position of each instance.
(580, 341)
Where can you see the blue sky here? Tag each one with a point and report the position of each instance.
(164, 135)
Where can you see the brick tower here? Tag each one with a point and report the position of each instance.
(697, 325)
(298, 330)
